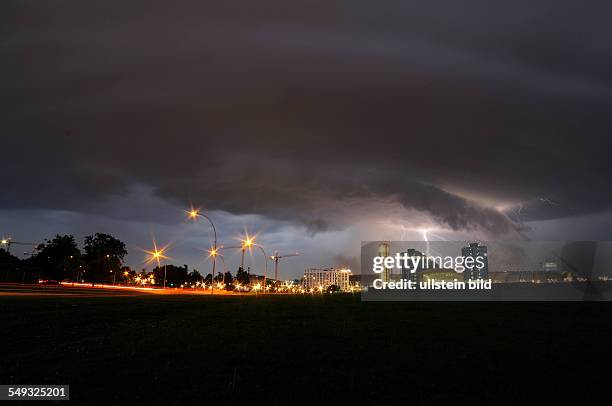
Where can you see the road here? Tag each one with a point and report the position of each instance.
(14, 289)
(86, 290)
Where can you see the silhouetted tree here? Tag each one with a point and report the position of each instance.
(103, 253)
(10, 266)
(57, 258)
(208, 279)
(228, 278)
(242, 277)
(175, 275)
(194, 276)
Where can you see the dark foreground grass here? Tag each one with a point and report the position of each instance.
(322, 349)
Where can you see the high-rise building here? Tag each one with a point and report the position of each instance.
(383, 251)
(407, 271)
(549, 266)
(324, 278)
(473, 251)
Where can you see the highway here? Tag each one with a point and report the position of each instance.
(86, 290)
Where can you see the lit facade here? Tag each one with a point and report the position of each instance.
(317, 278)
(383, 251)
(473, 251)
(407, 272)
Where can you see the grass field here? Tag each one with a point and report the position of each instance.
(294, 349)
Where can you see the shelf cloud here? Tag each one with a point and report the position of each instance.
(313, 114)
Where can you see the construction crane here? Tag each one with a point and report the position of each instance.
(276, 257)
(7, 242)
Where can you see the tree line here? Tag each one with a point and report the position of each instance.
(101, 260)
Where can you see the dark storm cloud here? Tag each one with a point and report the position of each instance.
(283, 109)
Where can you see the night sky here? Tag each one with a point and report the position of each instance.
(317, 124)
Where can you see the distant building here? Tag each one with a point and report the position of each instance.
(362, 281)
(324, 278)
(255, 279)
(475, 250)
(550, 266)
(407, 271)
(383, 251)
(440, 275)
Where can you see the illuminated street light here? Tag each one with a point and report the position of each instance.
(194, 214)
(247, 243)
(157, 255)
(214, 253)
(8, 242)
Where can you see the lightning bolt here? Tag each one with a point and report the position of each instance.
(404, 235)
(546, 200)
(424, 233)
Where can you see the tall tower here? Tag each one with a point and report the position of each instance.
(383, 251)
(410, 274)
(473, 251)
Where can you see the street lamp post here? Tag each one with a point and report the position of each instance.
(224, 268)
(8, 242)
(266, 265)
(194, 214)
(249, 242)
(242, 260)
(78, 275)
(213, 253)
(157, 255)
(246, 243)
